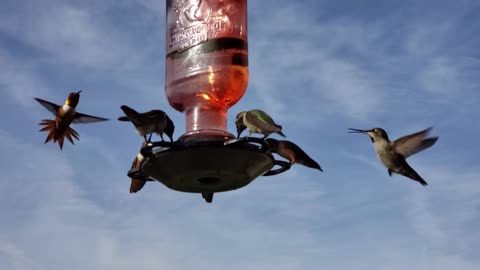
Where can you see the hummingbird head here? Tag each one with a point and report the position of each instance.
(73, 99)
(374, 133)
(272, 144)
(170, 128)
(239, 123)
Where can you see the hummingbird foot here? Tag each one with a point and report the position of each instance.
(389, 172)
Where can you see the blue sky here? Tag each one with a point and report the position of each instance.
(318, 68)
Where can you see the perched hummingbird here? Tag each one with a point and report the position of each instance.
(59, 129)
(292, 152)
(393, 154)
(208, 196)
(257, 121)
(137, 184)
(154, 121)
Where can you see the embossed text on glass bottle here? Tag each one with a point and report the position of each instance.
(207, 61)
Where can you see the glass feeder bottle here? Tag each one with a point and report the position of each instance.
(206, 62)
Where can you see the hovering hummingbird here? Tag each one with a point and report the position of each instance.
(393, 154)
(292, 152)
(208, 196)
(138, 183)
(154, 121)
(59, 129)
(257, 121)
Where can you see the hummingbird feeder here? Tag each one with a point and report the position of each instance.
(206, 74)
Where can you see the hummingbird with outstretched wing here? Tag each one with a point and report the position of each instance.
(66, 114)
(393, 155)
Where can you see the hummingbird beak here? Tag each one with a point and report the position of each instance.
(354, 130)
(79, 92)
(240, 129)
(370, 132)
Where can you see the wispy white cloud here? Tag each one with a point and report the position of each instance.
(20, 80)
(61, 226)
(306, 68)
(427, 38)
(299, 223)
(310, 67)
(441, 78)
(84, 38)
(442, 214)
(449, 77)
(11, 257)
(76, 35)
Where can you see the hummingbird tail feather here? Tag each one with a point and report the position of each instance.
(123, 118)
(50, 136)
(136, 185)
(412, 174)
(46, 122)
(45, 128)
(57, 134)
(309, 162)
(69, 133)
(60, 141)
(131, 114)
(74, 133)
(50, 126)
(69, 137)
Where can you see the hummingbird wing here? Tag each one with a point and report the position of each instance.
(52, 107)
(139, 119)
(153, 115)
(414, 143)
(81, 118)
(261, 120)
(262, 116)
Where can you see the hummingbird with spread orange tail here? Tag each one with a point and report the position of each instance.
(393, 155)
(292, 153)
(59, 129)
(138, 182)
